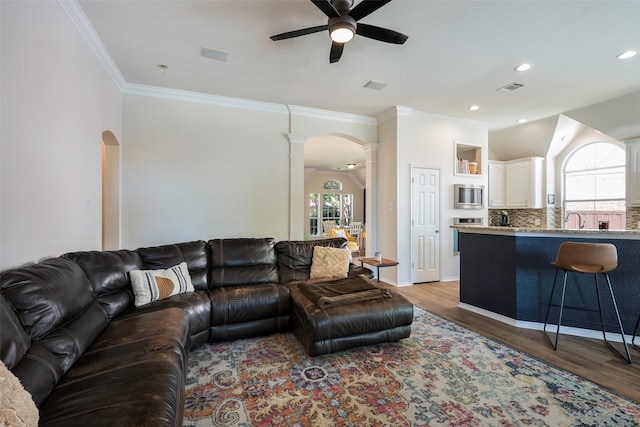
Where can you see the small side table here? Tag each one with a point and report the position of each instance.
(385, 262)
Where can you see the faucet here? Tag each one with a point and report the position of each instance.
(580, 223)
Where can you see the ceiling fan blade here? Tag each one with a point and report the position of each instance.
(366, 7)
(380, 34)
(298, 33)
(336, 52)
(327, 8)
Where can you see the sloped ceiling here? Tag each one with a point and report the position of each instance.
(618, 118)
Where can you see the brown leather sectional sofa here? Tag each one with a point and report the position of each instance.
(72, 335)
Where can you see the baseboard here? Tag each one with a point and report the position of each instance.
(565, 330)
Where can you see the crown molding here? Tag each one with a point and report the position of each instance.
(395, 111)
(331, 115)
(203, 98)
(84, 27)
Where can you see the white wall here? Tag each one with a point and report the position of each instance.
(424, 140)
(56, 102)
(199, 171)
(387, 228)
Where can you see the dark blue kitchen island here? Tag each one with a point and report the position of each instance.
(506, 273)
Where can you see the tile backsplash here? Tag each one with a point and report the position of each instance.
(633, 218)
(550, 217)
(528, 218)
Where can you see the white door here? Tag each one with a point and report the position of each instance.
(425, 225)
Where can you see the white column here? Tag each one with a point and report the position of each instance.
(371, 208)
(296, 186)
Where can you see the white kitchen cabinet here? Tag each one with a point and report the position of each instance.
(516, 183)
(523, 183)
(496, 185)
(633, 173)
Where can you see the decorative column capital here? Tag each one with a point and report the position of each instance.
(297, 139)
(370, 147)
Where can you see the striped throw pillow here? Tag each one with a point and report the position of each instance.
(153, 285)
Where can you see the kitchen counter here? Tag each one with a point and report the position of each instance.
(506, 272)
(511, 231)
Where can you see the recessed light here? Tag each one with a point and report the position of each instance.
(523, 67)
(626, 55)
(522, 120)
(351, 165)
(162, 67)
(474, 108)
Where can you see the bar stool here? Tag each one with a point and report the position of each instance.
(635, 333)
(586, 258)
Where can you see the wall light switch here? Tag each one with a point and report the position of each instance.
(87, 202)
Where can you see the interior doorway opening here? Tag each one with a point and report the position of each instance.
(340, 161)
(110, 192)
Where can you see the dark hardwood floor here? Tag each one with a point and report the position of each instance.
(588, 358)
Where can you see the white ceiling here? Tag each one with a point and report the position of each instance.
(458, 53)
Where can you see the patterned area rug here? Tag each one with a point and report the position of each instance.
(443, 375)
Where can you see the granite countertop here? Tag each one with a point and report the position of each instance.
(493, 229)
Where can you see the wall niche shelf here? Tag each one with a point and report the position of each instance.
(468, 160)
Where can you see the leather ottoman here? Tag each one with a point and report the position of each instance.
(323, 330)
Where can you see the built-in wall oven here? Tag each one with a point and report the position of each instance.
(467, 196)
(463, 221)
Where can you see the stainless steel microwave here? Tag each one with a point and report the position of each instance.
(468, 196)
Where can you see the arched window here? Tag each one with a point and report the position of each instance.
(335, 206)
(594, 187)
(332, 184)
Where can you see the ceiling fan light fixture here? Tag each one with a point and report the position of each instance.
(342, 29)
(341, 35)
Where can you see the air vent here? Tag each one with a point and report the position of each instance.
(214, 54)
(510, 87)
(375, 85)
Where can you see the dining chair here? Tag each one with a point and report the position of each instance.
(327, 225)
(355, 230)
(344, 233)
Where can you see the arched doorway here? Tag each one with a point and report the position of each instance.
(298, 200)
(333, 159)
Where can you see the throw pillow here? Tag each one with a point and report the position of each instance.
(329, 262)
(17, 408)
(338, 232)
(153, 285)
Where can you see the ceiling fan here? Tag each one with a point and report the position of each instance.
(343, 25)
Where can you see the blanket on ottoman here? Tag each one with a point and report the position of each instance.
(343, 291)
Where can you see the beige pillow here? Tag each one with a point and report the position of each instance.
(16, 405)
(153, 285)
(340, 233)
(329, 262)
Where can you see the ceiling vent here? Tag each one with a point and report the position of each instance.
(375, 85)
(510, 87)
(214, 54)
